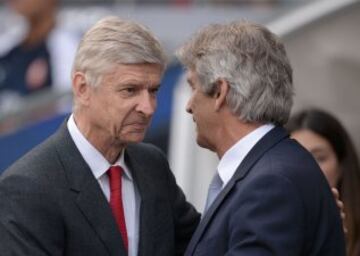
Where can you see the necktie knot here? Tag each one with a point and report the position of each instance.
(115, 174)
(214, 189)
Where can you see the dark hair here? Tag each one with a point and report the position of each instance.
(328, 127)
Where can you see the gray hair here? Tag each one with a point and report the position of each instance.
(114, 41)
(254, 63)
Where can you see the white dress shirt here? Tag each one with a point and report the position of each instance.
(99, 166)
(236, 154)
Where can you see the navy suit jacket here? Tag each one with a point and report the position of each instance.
(277, 203)
(51, 204)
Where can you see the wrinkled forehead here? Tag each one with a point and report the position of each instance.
(149, 74)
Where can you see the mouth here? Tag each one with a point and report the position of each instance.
(138, 126)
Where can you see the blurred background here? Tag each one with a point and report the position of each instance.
(321, 36)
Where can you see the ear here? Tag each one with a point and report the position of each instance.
(221, 93)
(81, 88)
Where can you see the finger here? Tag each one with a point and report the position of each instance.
(335, 193)
(343, 215)
(340, 204)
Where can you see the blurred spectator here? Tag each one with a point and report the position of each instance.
(247, 2)
(326, 138)
(42, 58)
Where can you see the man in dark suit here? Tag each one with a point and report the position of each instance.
(268, 196)
(92, 188)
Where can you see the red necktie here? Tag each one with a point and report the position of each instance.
(116, 204)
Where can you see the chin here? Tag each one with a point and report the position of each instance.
(203, 143)
(135, 138)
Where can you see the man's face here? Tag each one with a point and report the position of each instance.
(121, 106)
(202, 108)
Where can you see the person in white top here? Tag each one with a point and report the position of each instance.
(40, 55)
(268, 197)
(36, 55)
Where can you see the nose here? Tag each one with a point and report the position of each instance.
(188, 107)
(146, 104)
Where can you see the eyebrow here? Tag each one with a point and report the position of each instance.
(318, 150)
(156, 86)
(127, 82)
(134, 83)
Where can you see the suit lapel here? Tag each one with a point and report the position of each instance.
(265, 143)
(139, 172)
(87, 193)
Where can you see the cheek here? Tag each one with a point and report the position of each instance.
(109, 112)
(331, 171)
(123, 114)
(196, 102)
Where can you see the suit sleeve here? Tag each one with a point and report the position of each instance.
(269, 221)
(29, 223)
(185, 216)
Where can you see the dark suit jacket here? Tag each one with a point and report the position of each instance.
(51, 204)
(277, 203)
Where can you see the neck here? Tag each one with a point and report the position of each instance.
(107, 146)
(39, 28)
(231, 132)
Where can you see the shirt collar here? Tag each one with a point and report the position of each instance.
(96, 161)
(236, 154)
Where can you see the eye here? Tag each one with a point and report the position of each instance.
(192, 87)
(128, 91)
(320, 158)
(154, 91)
